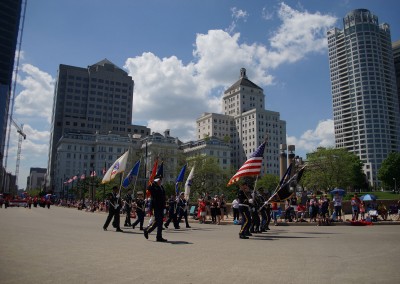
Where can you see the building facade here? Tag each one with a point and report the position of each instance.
(363, 86)
(396, 58)
(10, 13)
(96, 99)
(245, 124)
(210, 147)
(36, 178)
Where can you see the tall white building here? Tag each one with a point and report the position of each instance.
(364, 96)
(245, 124)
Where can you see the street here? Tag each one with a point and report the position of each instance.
(61, 245)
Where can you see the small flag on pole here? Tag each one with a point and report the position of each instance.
(132, 173)
(180, 179)
(188, 183)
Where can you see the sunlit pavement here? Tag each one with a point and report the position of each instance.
(60, 245)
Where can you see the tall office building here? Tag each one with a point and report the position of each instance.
(364, 96)
(96, 99)
(396, 57)
(245, 124)
(10, 13)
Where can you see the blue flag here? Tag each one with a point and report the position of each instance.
(180, 179)
(132, 173)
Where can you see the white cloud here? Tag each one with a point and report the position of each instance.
(266, 14)
(237, 14)
(322, 136)
(36, 99)
(299, 34)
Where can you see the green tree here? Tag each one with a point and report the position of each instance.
(389, 173)
(269, 182)
(329, 168)
(208, 177)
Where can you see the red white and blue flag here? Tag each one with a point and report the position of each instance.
(252, 167)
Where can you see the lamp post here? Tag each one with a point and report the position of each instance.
(395, 185)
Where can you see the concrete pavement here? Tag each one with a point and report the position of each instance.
(61, 245)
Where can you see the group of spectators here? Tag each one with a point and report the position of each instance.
(215, 207)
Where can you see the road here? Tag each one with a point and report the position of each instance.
(61, 245)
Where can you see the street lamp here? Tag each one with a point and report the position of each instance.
(395, 185)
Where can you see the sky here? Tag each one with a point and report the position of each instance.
(182, 55)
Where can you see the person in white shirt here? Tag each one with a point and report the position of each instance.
(337, 203)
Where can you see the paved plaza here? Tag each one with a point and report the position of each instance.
(61, 245)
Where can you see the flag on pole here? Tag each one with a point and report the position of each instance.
(287, 189)
(116, 168)
(188, 183)
(134, 172)
(153, 171)
(160, 170)
(75, 178)
(252, 167)
(83, 176)
(286, 175)
(180, 179)
(93, 174)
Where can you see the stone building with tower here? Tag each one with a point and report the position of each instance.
(245, 124)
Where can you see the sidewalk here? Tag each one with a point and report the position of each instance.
(281, 222)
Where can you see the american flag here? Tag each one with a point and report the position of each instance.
(75, 178)
(252, 167)
(93, 174)
(83, 176)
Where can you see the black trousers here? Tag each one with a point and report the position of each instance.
(255, 221)
(172, 217)
(184, 215)
(112, 213)
(128, 216)
(140, 219)
(157, 223)
(246, 220)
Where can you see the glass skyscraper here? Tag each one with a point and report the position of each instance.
(363, 85)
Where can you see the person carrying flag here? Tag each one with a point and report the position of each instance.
(172, 212)
(115, 207)
(158, 200)
(139, 206)
(128, 208)
(183, 209)
(244, 209)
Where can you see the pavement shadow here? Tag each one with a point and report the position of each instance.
(277, 237)
(179, 243)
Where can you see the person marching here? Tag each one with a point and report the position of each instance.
(113, 212)
(172, 212)
(128, 208)
(183, 209)
(244, 209)
(157, 192)
(139, 206)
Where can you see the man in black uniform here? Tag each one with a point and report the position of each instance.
(113, 212)
(244, 209)
(183, 209)
(128, 208)
(172, 212)
(158, 205)
(139, 206)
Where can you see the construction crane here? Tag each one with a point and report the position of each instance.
(20, 130)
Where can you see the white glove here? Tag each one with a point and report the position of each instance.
(251, 201)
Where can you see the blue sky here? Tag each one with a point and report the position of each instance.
(182, 55)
